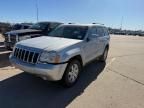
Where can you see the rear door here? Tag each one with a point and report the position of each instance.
(101, 39)
(104, 39)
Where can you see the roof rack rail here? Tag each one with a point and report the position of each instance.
(98, 23)
(70, 23)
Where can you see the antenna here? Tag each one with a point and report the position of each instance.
(98, 23)
(37, 11)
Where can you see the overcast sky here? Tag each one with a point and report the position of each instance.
(109, 12)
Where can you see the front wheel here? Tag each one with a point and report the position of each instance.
(71, 73)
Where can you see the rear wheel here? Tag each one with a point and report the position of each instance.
(71, 73)
(104, 55)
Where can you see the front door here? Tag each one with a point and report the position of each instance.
(90, 46)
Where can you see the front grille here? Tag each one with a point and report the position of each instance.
(13, 38)
(6, 39)
(10, 38)
(26, 55)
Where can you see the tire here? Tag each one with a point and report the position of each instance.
(104, 55)
(71, 74)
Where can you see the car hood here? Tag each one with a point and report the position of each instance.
(24, 32)
(49, 43)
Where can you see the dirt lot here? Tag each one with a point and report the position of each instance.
(117, 84)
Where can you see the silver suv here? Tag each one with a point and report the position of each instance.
(62, 54)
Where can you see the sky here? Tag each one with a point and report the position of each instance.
(108, 12)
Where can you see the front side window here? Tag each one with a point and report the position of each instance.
(100, 31)
(71, 32)
(92, 33)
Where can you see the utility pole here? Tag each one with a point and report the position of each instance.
(121, 23)
(37, 11)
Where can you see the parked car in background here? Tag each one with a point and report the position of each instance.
(36, 30)
(8, 27)
(62, 54)
(21, 26)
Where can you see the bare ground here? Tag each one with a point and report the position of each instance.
(117, 84)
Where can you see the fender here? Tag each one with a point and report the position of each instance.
(70, 54)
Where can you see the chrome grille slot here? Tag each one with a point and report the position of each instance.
(26, 55)
(17, 53)
(35, 57)
(30, 56)
(22, 55)
(20, 52)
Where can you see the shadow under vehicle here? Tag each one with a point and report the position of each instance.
(26, 91)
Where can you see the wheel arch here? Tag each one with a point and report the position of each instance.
(107, 46)
(77, 57)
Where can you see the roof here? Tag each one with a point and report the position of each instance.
(77, 24)
(49, 22)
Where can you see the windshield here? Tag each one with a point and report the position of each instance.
(16, 27)
(39, 26)
(72, 32)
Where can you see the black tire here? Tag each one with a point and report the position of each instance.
(104, 55)
(66, 80)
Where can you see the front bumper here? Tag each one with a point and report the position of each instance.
(46, 71)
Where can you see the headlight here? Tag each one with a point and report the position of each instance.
(49, 57)
(24, 38)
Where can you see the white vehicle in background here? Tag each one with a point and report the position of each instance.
(62, 54)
